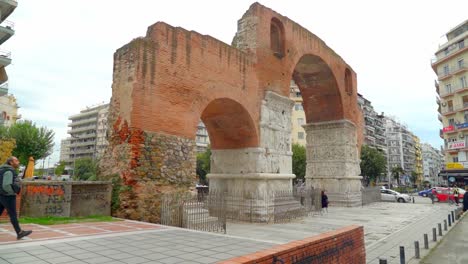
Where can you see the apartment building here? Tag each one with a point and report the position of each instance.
(8, 104)
(201, 139)
(298, 119)
(374, 126)
(433, 162)
(88, 134)
(401, 148)
(8, 110)
(418, 160)
(450, 65)
(65, 149)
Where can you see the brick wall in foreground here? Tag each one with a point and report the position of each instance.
(345, 245)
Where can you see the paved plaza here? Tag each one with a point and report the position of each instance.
(387, 226)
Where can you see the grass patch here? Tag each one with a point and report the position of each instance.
(52, 220)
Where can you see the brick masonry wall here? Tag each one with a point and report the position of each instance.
(345, 245)
(150, 164)
(164, 82)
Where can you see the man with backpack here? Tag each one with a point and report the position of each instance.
(10, 186)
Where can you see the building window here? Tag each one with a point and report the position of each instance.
(451, 121)
(300, 135)
(300, 121)
(448, 88)
(460, 64)
(455, 159)
(298, 107)
(461, 44)
(446, 70)
(465, 116)
(463, 82)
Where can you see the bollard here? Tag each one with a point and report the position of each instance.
(402, 255)
(434, 235)
(416, 249)
(457, 214)
(413, 199)
(439, 225)
(382, 261)
(449, 220)
(445, 225)
(426, 241)
(453, 217)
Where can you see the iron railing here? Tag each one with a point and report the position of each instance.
(192, 211)
(209, 212)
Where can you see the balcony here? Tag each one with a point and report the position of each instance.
(4, 89)
(81, 129)
(85, 121)
(6, 31)
(6, 8)
(5, 58)
(457, 49)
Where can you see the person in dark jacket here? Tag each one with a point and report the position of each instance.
(10, 186)
(465, 200)
(324, 201)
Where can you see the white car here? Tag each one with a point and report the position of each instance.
(392, 196)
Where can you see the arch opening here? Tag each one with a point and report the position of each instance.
(277, 37)
(229, 125)
(319, 90)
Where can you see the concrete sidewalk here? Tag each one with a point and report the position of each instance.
(453, 247)
(386, 226)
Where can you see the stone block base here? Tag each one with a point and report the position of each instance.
(341, 192)
(254, 197)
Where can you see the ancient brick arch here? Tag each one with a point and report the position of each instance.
(229, 125)
(164, 82)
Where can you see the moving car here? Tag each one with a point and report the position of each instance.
(391, 195)
(425, 193)
(446, 194)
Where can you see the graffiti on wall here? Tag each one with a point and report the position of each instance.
(47, 200)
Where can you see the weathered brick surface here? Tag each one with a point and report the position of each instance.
(345, 245)
(165, 82)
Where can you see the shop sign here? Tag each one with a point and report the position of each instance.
(463, 125)
(456, 144)
(454, 165)
(448, 129)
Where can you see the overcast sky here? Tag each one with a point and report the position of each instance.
(62, 51)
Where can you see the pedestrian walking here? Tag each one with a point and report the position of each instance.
(455, 194)
(465, 200)
(324, 201)
(432, 195)
(10, 186)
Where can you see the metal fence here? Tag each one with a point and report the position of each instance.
(209, 212)
(194, 211)
(371, 195)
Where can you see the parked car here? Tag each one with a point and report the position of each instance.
(444, 194)
(391, 195)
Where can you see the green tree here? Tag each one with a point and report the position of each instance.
(31, 141)
(85, 169)
(373, 163)
(299, 160)
(396, 172)
(60, 168)
(413, 177)
(203, 165)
